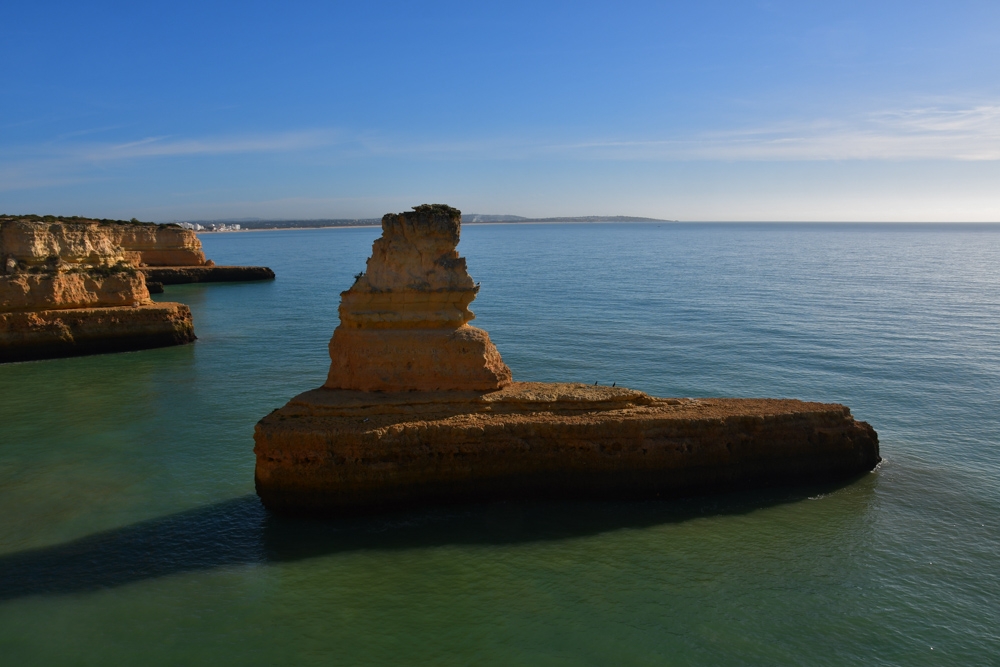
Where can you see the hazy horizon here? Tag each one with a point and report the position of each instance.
(735, 111)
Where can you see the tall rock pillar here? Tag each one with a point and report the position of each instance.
(404, 322)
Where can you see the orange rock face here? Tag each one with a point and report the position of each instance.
(70, 288)
(32, 242)
(339, 451)
(419, 407)
(45, 334)
(160, 245)
(403, 324)
(79, 289)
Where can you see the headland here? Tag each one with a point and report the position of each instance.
(78, 286)
(71, 288)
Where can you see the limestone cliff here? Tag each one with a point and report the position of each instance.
(161, 245)
(72, 288)
(404, 322)
(75, 288)
(26, 244)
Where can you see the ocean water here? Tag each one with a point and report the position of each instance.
(130, 533)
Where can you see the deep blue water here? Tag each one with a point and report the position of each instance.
(130, 532)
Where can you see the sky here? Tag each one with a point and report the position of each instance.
(713, 110)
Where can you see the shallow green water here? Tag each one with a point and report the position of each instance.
(131, 535)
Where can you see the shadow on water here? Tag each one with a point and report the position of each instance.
(240, 532)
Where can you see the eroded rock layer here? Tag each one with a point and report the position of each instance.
(162, 245)
(404, 322)
(419, 407)
(177, 275)
(45, 334)
(80, 288)
(340, 451)
(72, 288)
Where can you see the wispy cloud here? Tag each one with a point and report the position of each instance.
(60, 162)
(950, 132)
(930, 133)
(170, 146)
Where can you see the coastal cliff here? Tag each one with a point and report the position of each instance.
(161, 245)
(172, 255)
(72, 288)
(167, 254)
(419, 407)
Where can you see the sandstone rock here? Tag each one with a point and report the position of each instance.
(78, 289)
(340, 451)
(209, 273)
(72, 288)
(403, 324)
(419, 407)
(36, 244)
(161, 245)
(44, 334)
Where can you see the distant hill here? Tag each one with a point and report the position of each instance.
(479, 217)
(257, 223)
(579, 218)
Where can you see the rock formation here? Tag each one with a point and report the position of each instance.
(418, 407)
(71, 288)
(172, 255)
(161, 245)
(404, 322)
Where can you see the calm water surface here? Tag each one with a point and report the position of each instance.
(130, 533)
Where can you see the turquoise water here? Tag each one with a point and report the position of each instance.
(131, 535)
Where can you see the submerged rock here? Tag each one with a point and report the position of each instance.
(419, 407)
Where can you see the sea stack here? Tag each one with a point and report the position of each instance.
(404, 322)
(419, 407)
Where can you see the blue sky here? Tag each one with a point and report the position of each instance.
(877, 110)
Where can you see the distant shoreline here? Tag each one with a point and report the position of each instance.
(464, 224)
(649, 222)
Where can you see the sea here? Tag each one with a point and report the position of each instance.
(130, 533)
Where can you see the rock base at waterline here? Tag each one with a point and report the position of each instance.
(178, 275)
(342, 451)
(45, 334)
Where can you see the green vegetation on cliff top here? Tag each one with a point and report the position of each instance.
(76, 218)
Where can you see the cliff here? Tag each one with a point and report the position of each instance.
(419, 407)
(172, 255)
(72, 288)
(165, 253)
(161, 245)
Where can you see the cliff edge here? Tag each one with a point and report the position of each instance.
(70, 288)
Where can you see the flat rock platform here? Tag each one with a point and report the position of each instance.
(342, 451)
(45, 334)
(178, 275)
